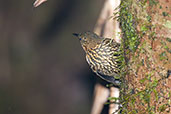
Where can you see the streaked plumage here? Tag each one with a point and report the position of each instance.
(102, 54)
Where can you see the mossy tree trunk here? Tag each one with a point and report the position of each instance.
(146, 27)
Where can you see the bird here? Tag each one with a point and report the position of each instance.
(102, 55)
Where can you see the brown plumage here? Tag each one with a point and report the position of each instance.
(102, 54)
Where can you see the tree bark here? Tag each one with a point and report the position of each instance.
(147, 23)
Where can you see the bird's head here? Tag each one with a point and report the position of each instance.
(88, 39)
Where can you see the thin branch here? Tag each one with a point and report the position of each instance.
(113, 107)
(38, 2)
(101, 94)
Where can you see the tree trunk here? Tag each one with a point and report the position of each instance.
(146, 27)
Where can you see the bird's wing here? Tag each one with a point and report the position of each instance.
(110, 79)
(110, 42)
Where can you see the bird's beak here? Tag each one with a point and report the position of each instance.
(75, 34)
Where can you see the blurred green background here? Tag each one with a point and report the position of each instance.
(42, 66)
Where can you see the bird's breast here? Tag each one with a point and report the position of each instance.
(101, 59)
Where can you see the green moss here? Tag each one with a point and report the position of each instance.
(131, 39)
(165, 14)
(168, 39)
(162, 107)
(160, 7)
(149, 18)
(129, 44)
(164, 45)
(153, 2)
(163, 56)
